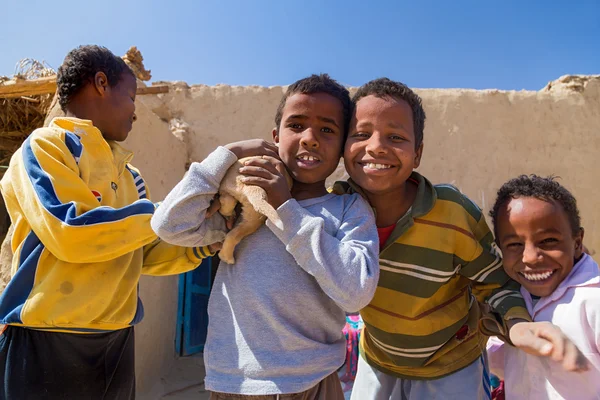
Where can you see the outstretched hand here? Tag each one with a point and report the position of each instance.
(547, 340)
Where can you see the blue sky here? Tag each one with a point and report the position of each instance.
(426, 44)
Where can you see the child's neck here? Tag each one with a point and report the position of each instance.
(392, 206)
(79, 112)
(303, 191)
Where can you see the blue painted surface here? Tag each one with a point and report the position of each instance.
(192, 315)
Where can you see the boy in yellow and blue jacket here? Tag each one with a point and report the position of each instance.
(82, 239)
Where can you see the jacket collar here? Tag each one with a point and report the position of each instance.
(584, 273)
(423, 204)
(85, 128)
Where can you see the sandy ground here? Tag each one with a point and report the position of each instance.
(185, 381)
(195, 392)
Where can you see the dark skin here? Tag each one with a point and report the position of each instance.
(111, 109)
(537, 241)
(538, 245)
(381, 153)
(310, 140)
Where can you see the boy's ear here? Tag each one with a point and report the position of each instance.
(100, 83)
(418, 155)
(275, 135)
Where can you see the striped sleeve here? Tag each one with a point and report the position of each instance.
(139, 182)
(62, 210)
(485, 269)
(161, 258)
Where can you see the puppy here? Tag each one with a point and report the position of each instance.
(254, 205)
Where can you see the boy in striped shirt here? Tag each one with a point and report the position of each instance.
(437, 258)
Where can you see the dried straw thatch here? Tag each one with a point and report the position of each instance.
(20, 116)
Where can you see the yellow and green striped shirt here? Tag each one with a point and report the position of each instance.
(439, 260)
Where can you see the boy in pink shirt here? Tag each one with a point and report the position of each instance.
(537, 227)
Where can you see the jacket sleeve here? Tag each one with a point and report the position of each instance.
(180, 219)
(345, 264)
(591, 310)
(63, 212)
(161, 258)
(491, 284)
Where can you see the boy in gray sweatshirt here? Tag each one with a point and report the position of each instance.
(276, 315)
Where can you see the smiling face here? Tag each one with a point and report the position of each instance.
(310, 138)
(538, 246)
(380, 152)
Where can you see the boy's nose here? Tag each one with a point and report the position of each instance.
(375, 145)
(531, 255)
(309, 140)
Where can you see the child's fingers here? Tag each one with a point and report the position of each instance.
(257, 181)
(269, 163)
(279, 166)
(554, 335)
(541, 346)
(573, 359)
(257, 171)
(271, 150)
(524, 336)
(263, 161)
(215, 247)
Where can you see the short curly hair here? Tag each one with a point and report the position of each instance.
(81, 65)
(546, 189)
(385, 87)
(321, 83)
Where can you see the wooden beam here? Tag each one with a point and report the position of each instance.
(21, 87)
(152, 89)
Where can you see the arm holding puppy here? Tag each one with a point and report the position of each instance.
(345, 264)
(188, 215)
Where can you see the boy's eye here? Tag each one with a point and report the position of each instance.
(327, 130)
(550, 241)
(360, 135)
(294, 125)
(513, 246)
(397, 138)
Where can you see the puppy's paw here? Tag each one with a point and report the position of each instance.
(227, 257)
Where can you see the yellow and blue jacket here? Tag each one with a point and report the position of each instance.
(82, 236)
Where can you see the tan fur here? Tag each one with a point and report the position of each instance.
(255, 208)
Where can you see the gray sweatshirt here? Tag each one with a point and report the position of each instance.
(276, 315)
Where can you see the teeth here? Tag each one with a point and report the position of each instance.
(377, 166)
(538, 276)
(309, 158)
